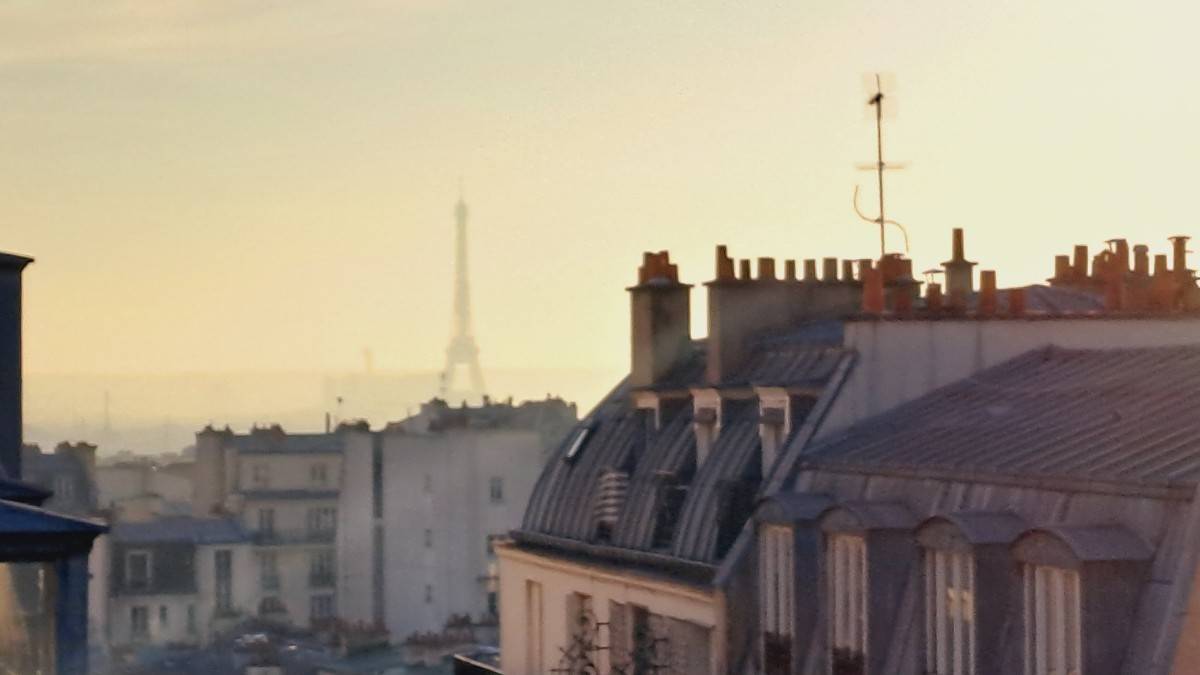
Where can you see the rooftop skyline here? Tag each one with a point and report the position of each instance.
(222, 188)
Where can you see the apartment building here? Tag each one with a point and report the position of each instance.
(178, 580)
(422, 503)
(644, 547)
(283, 488)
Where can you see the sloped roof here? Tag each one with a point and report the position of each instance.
(1122, 416)
(183, 529)
(616, 436)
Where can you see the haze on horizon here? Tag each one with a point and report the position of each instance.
(220, 186)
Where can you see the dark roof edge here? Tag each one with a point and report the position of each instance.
(688, 570)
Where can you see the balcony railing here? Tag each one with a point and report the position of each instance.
(286, 537)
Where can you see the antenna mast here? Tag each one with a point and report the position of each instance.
(879, 166)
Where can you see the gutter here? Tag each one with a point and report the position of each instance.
(687, 570)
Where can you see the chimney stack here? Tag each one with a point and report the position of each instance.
(829, 270)
(1062, 268)
(847, 270)
(810, 270)
(661, 317)
(960, 282)
(1160, 265)
(872, 299)
(766, 269)
(744, 270)
(1016, 302)
(789, 270)
(1120, 259)
(933, 297)
(1141, 260)
(1081, 262)
(987, 293)
(1180, 268)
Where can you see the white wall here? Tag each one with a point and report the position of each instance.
(356, 522)
(558, 581)
(902, 360)
(457, 509)
(289, 471)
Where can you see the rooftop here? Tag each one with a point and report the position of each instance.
(181, 529)
(1120, 416)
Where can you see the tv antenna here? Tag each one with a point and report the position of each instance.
(875, 87)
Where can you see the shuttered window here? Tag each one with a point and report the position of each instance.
(776, 597)
(1053, 635)
(949, 613)
(846, 576)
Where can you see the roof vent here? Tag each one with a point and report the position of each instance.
(610, 499)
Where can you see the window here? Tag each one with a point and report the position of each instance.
(163, 616)
(428, 538)
(192, 628)
(496, 490)
(322, 521)
(949, 612)
(1052, 629)
(778, 597)
(534, 626)
(64, 488)
(428, 594)
(321, 607)
(268, 565)
(139, 622)
(846, 574)
(321, 569)
(317, 475)
(223, 561)
(260, 475)
(266, 522)
(271, 605)
(579, 614)
(137, 570)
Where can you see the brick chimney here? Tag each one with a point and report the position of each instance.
(1179, 263)
(11, 267)
(661, 318)
(960, 280)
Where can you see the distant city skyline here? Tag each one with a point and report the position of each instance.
(219, 187)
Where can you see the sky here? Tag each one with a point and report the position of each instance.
(210, 185)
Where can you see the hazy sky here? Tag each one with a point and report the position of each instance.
(220, 185)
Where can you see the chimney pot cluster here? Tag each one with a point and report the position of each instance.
(657, 267)
(1169, 285)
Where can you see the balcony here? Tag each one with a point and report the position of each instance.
(293, 537)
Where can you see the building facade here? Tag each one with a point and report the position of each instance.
(637, 552)
(283, 488)
(424, 500)
(178, 581)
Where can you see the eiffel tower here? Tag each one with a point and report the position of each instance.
(462, 351)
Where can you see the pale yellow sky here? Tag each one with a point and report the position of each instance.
(218, 185)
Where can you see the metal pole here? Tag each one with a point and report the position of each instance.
(879, 169)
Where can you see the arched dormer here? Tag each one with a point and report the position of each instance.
(969, 588)
(1079, 588)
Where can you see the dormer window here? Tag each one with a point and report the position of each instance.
(777, 597)
(949, 612)
(1053, 634)
(958, 550)
(1065, 569)
(846, 565)
(610, 500)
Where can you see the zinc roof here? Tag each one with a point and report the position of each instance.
(1123, 416)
